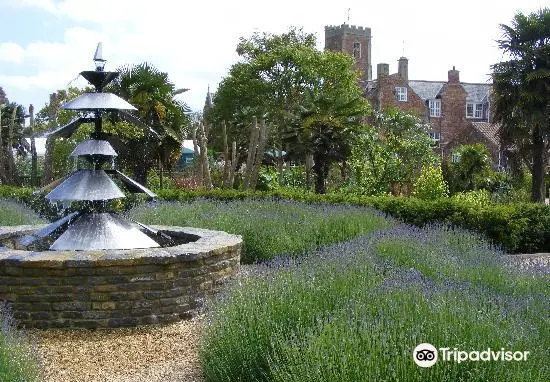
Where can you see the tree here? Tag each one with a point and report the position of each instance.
(390, 153)
(12, 131)
(472, 169)
(332, 110)
(310, 98)
(154, 95)
(522, 91)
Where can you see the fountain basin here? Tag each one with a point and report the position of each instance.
(116, 288)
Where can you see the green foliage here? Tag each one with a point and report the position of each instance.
(392, 150)
(472, 170)
(478, 198)
(18, 363)
(267, 179)
(311, 99)
(355, 312)
(430, 184)
(154, 95)
(268, 227)
(520, 91)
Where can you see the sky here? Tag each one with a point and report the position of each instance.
(44, 44)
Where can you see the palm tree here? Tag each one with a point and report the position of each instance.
(154, 95)
(522, 91)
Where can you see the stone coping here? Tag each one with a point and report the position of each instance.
(208, 241)
(115, 288)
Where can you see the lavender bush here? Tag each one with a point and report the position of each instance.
(17, 362)
(14, 213)
(356, 310)
(269, 227)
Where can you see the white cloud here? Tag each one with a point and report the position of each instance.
(195, 41)
(11, 52)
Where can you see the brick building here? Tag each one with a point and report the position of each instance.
(457, 112)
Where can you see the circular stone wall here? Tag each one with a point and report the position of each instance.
(113, 288)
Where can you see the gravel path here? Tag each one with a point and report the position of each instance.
(159, 353)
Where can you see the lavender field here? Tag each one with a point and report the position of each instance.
(355, 311)
(341, 293)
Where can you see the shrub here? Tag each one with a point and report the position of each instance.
(478, 198)
(268, 227)
(356, 310)
(18, 363)
(430, 184)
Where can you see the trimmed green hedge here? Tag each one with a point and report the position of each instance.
(517, 227)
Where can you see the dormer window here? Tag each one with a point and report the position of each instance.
(401, 93)
(474, 110)
(435, 107)
(357, 50)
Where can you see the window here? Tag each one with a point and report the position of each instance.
(474, 110)
(436, 137)
(455, 157)
(357, 50)
(401, 94)
(435, 108)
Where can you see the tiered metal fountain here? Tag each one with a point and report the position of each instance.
(94, 268)
(94, 226)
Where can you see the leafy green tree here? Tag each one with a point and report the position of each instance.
(154, 95)
(472, 168)
(312, 99)
(269, 82)
(391, 152)
(522, 91)
(12, 131)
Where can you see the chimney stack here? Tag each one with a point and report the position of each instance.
(382, 70)
(454, 76)
(403, 68)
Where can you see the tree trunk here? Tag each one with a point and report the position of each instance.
(233, 167)
(34, 157)
(196, 156)
(10, 160)
(252, 144)
(204, 158)
(320, 167)
(50, 143)
(309, 166)
(259, 155)
(537, 191)
(161, 174)
(226, 160)
(3, 179)
(48, 161)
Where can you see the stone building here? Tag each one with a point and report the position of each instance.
(353, 40)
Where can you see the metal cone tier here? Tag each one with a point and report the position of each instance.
(89, 184)
(94, 228)
(109, 230)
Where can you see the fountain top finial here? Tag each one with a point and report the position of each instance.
(98, 58)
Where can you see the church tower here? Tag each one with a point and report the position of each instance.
(356, 41)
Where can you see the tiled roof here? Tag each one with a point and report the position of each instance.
(489, 131)
(478, 93)
(426, 89)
